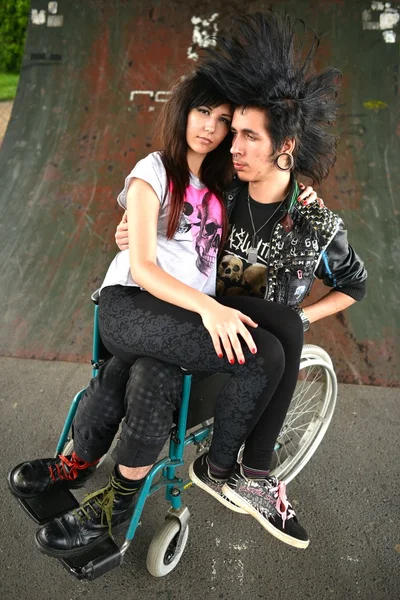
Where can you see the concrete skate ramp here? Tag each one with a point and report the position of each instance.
(94, 77)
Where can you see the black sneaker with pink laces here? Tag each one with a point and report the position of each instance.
(29, 479)
(199, 473)
(265, 500)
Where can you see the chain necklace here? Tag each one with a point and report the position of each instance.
(252, 256)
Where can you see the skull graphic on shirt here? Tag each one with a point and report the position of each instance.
(202, 217)
(208, 237)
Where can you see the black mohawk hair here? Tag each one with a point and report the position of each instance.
(259, 64)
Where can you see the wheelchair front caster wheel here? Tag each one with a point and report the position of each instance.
(163, 555)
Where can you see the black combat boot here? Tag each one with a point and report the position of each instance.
(91, 522)
(29, 479)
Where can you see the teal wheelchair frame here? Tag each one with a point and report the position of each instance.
(317, 385)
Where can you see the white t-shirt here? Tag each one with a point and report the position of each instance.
(191, 255)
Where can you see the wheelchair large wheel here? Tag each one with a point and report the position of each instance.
(309, 414)
(162, 556)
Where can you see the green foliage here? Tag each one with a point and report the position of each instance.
(14, 16)
(8, 86)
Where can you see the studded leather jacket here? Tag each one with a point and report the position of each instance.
(308, 242)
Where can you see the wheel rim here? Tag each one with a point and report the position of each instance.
(170, 551)
(307, 419)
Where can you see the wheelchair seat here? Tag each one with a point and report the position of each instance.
(204, 392)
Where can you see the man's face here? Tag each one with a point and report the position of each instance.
(251, 147)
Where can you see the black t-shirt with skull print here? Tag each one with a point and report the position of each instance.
(236, 275)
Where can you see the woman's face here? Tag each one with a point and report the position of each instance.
(207, 127)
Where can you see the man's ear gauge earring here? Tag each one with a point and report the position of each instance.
(289, 161)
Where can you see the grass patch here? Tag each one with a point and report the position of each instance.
(8, 86)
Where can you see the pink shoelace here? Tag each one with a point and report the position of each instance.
(282, 504)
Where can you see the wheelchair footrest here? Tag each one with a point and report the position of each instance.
(95, 562)
(48, 506)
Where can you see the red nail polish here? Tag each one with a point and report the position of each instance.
(220, 355)
(254, 350)
(232, 361)
(241, 361)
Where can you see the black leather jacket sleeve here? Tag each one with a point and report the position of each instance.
(341, 268)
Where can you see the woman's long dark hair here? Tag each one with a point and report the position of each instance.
(216, 170)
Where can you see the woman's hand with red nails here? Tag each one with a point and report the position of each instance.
(225, 324)
(308, 195)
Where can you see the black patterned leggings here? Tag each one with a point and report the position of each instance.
(253, 403)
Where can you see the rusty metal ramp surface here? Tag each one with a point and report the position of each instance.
(94, 77)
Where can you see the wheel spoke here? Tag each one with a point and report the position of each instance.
(296, 416)
(277, 454)
(310, 371)
(295, 411)
(302, 428)
(303, 392)
(300, 402)
(307, 418)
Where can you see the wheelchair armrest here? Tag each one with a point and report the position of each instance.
(95, 296)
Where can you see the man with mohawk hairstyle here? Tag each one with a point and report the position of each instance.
(279, 132)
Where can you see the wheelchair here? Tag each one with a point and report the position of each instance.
(307, 420)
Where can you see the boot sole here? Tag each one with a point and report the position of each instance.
(247, 507)
(232, 506)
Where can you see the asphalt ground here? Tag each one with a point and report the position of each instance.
(347, 497)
